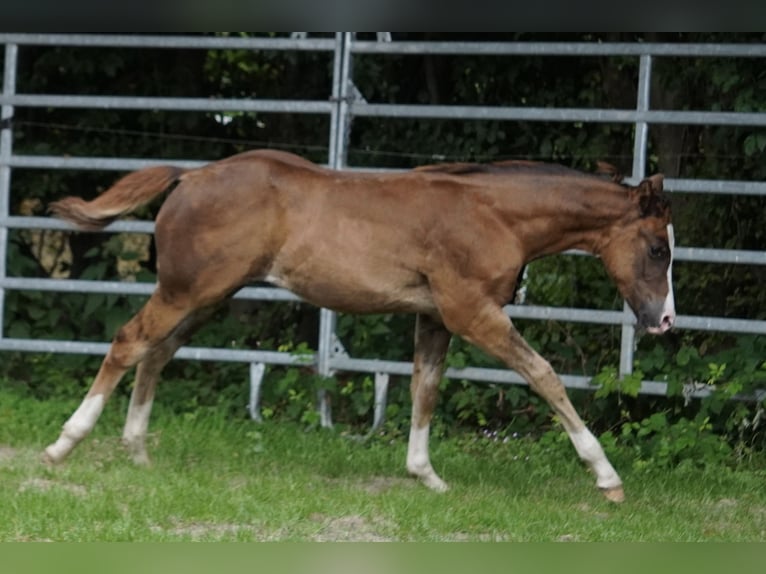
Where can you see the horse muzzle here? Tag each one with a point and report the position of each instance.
(657, 317)
(665, 324)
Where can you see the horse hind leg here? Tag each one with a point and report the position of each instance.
(147, 329)
(147, 377)
(431, 342)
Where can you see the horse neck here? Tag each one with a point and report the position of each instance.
(567, 213)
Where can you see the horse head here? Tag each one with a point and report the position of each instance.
(639, 255)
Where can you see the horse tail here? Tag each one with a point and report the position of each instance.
(129, 193)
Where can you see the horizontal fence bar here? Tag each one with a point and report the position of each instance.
(499, 376)
(308, 360)
(713, 186)
(708, 255)
(179, 42)
(504, 376)
(395, 47)
(595, 316)
(53, 224)
(96, 163)
(749, 326)
(706, 186)
(536, 312)
(511, 113)
(188, 353)
(169, 104)
(544, 313)
(691, 254)
(559, 49)
(129, 288)
(412, 111)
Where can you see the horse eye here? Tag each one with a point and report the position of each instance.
(658, 251)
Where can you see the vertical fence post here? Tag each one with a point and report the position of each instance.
(6, 144)
(340, 123)
(257, 370)
(640, 142)
(381, 398)
(342, 93)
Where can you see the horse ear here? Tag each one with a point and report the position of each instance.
(655, 181)
(649, 186)
(648, 195)
(605, 168)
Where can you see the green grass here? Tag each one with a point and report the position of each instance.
(234, 480)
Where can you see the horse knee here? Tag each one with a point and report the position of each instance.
(121, 359)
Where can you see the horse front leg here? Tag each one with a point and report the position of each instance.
(545, 382)
(431, 342)
(492, 330)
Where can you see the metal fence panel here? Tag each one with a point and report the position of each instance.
(341, 106)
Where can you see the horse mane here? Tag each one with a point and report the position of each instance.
(650, 204)
(522, 166)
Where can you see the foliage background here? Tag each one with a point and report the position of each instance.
(661, 430)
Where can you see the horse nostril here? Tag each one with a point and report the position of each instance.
(667, 322)
(664, 325)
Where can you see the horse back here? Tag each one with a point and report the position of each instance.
(349, 241)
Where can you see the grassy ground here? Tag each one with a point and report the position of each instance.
(217, 479)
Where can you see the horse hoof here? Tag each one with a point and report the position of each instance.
(137, 452)
(614, 494)
(435, 483)
(141, 459)
(48, 459)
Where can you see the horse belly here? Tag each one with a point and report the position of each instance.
(352, 257)
(349, 291)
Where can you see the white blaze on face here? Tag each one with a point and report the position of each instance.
(669, 308)
(668, 313)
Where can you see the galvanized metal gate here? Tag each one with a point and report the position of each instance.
(342, 105)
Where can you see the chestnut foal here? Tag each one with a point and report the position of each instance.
(444, 242)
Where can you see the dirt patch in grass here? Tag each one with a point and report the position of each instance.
(45, 485)
(23, 457)
(7, 453)
(213, 531)
(480, 537)
(374, 484)
(724, 504)
(352, 528)
(382, 484)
